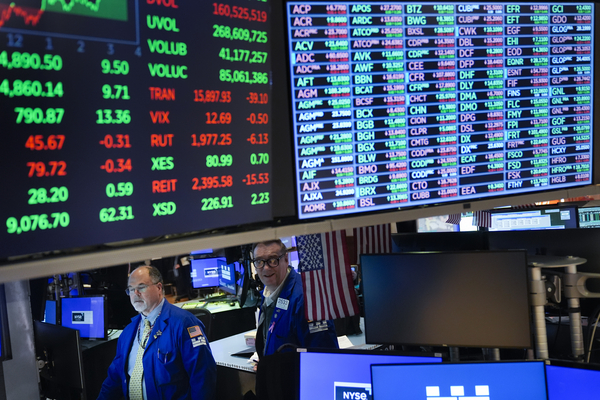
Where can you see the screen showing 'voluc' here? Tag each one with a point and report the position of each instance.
(399, 104)
(126, 119)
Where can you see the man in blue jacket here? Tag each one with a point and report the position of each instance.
(163, 353)
(281, 319)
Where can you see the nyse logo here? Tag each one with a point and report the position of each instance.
(352, 391)
(78, 317)
(482, 392)
(82, 317)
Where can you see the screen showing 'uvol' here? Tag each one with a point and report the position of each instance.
(126, 119)
(399, 104)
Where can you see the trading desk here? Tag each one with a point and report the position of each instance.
(227, 317)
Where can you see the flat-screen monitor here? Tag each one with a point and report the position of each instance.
(545, 218)
(346, 373)
(485, 381)
(51, 312)
(467, 299)
(568, 380)
(589, 217)
(59, 347)
(130, 119)
(400, 104)
(205, 272)
(227, 274)
(87, 314)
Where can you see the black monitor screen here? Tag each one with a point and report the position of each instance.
(60, 347)
(400, 104)
(547, 218)
(589, 217)
(465, 299)
(86, 314)
(205, 272)
(129, 119)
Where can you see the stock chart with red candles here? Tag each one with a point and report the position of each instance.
(126, 119)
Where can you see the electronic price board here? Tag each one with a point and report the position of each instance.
(399, 104)
(126, 119)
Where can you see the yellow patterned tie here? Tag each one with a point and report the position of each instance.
(135, 381)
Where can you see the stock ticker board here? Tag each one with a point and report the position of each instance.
(399, 104)
(126, 119)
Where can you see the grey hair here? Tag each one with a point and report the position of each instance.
(269, 243)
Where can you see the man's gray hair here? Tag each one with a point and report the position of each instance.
(269, 243)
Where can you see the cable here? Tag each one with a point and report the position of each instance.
(592, 338)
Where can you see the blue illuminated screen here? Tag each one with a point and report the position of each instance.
(492, 381)
(50, 312)
(344, 373)
(86, 314)
(205, 272)
(565, 383)
(403, 104)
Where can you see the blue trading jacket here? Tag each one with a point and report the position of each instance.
(289, 325)
(178, 363)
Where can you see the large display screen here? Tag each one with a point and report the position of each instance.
(127, 119)
(465, 299)
(399, 104)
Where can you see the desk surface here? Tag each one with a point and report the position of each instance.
(213, 307)
(224, 348)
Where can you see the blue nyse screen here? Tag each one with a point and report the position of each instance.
(399, 104)
(348, 375)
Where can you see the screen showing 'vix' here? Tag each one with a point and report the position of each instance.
(400, 104)
(126, 119)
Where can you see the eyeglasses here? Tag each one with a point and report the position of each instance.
(140, 288)
(272, 262)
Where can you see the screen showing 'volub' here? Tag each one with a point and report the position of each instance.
(402, 103)
(128, 119)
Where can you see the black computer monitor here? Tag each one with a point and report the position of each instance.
(569, 380)
(59, 348)
(205, 272)
(468, 299)
(347, 372)
(87, 314)
(524, 380)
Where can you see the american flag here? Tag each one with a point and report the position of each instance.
(454, 219)
(373, 239)
(482, 218)
(326, 276)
